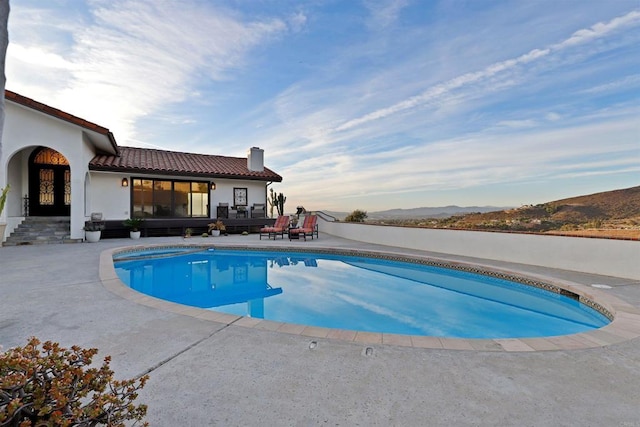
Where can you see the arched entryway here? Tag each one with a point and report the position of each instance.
(49, 183)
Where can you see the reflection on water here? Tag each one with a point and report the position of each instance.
(358, 293)
(202, 280)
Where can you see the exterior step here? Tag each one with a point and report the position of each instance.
(41, 231)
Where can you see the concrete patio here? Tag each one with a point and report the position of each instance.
(206, 373)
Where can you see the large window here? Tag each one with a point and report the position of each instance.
(167, 198)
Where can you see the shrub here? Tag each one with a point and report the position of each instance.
(3, 197)
(218, 225)
(356, 216)
(133, 223)
(53, 386)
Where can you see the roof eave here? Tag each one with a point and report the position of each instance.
(98, 168)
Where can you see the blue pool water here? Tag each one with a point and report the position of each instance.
(357, 293)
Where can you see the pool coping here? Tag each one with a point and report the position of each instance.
(624, 326)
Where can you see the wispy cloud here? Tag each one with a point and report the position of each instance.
(135, 57)
(433, 93)
(358, 104)
(384, 13)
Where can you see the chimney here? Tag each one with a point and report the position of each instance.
(255, 159)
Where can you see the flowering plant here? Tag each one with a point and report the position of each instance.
(51, 385)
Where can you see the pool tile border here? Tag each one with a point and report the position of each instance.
(624, 326)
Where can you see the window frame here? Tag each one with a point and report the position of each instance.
(152, 203)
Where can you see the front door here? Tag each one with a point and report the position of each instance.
(49, 183)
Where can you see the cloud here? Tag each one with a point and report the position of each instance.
(384, 13)
(538, 155)
(134, 58)
(389, 106)
(433, 93)
(625, 83)
(297, 21)
(600, 29)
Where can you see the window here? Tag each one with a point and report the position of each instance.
(155, 198)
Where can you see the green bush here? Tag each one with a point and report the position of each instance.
(3, 197)
(356, 216)
(53, 386)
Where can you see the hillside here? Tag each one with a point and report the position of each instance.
(617, 210)
(423, 212)
(617, 205)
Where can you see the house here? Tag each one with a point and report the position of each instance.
(62, 166)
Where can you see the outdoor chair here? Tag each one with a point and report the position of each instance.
(281, 225)
(258, 210)
(222, 210)
(309, 228)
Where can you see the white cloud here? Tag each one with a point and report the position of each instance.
(137, 57)
(466, 163)
(384, 13)
(433, 93)
(600, 29)
(366, 116)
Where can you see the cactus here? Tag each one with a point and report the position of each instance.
(280, 203)
(272, 201)
(276, 200)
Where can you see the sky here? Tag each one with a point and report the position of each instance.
(360, 104)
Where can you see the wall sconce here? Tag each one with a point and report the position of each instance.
(125, 182)
(213, 185)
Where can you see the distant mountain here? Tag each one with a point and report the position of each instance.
(609, 210)
(424, 212)
(617, 205)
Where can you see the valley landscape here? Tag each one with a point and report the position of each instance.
(611, 214)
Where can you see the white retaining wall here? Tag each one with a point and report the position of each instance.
(620, 258)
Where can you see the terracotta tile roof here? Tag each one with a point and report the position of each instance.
(144, 160)
(38, 106)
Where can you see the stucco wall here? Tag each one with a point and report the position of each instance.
(25, 129)
(620, 258)
(106, 195)
(256, 192)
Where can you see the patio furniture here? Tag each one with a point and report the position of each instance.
(280, 226)
(258, 210)
(309, 228)
(241, 211)
(222, 210)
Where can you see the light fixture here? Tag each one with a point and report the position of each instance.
(125, 182)
(213, 185)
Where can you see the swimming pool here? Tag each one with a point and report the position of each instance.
(357, 293)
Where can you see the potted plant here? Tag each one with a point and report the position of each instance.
(3, 200)
(188, 232)
(215, 228)
(93, 231)
(133, 224)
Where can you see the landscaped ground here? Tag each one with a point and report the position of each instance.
(602, 233)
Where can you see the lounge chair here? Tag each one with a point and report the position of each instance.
(309, 228)
(281, 225)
